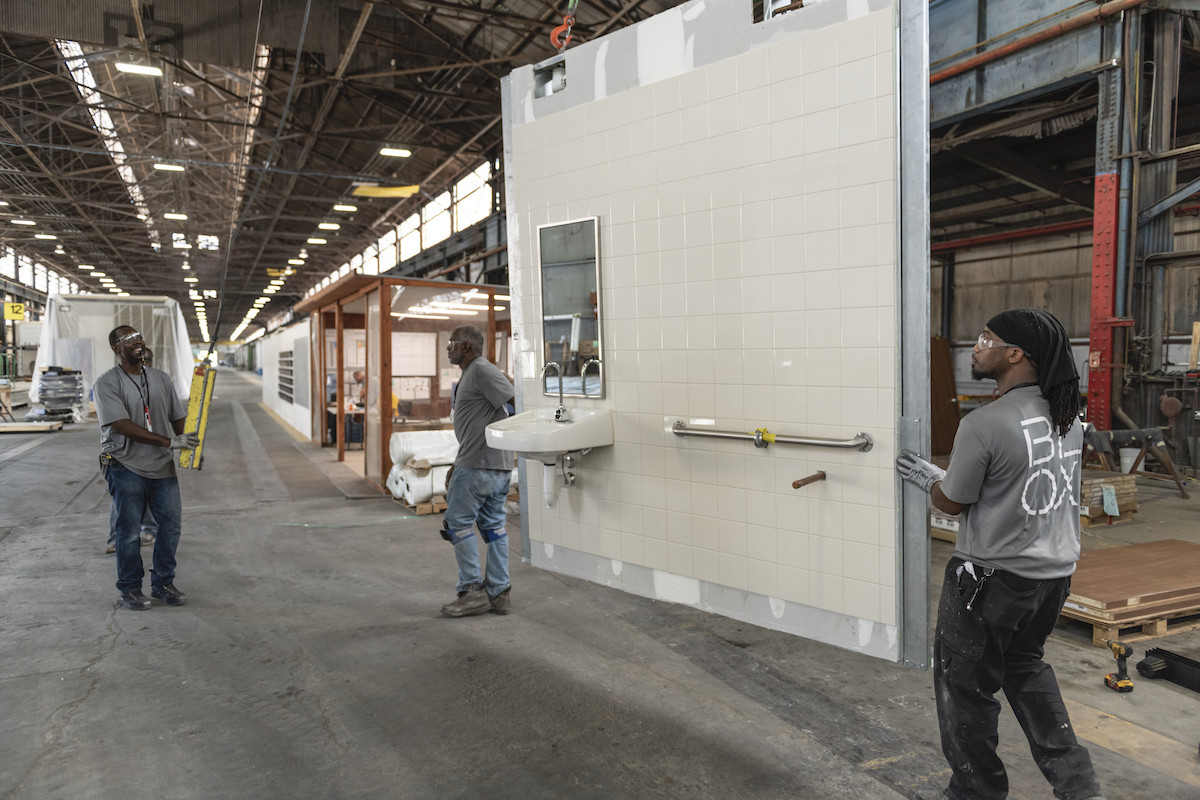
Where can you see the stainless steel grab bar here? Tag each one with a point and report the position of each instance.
(761, 438)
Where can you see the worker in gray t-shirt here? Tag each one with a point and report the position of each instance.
(477, 485)
(1013, 479)
(141, 426)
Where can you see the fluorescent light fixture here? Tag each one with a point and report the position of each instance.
(138, 69)
(169, 167)
(98, 274)
(114, 290)
(181, 245)
(23, 222)
(270, 290)
(5, 202)
(418, 316)
(191, 280)
(501, 297)
(329, 226)
(315, 240)
(185, 266)
(277, 282)
(499, 308)
(299, 262)
(345, 207)
(170, 215)
(395, 152)
(44, 236)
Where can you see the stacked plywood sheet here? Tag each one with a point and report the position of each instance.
(1091, 500)
(1137, 591)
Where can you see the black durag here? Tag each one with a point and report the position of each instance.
(1044, 341)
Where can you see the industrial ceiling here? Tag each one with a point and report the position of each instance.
(270, 112)
(276, 109)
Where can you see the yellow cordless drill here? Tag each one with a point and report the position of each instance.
(1119, 681)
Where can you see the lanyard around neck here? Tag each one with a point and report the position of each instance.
(143, 391)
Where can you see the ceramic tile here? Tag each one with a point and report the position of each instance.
(820, 90)
(633, 548)
(856, 123)
(753, 150)
(763, 577)
(657, 555)
(726, 224)
(827, 592)
(818, 50)
(707, 565)
(752, 70)
(698, 229)
(788, 139)
(795, 585)
(753, 109)
(861, 599)
(698, 264)
(705, 533)
(734, 571)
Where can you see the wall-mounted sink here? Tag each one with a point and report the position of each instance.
(536, 434)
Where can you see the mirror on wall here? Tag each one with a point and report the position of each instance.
(568, 257)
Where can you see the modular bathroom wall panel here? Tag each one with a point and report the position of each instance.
(745, 177)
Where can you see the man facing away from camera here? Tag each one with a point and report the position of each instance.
(1014, 480)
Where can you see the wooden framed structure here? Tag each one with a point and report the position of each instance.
(370, 323)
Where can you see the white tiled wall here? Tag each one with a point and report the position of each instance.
(748, 279)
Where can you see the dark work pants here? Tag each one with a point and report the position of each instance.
(998, 644)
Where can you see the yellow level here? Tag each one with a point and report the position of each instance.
(203, 379)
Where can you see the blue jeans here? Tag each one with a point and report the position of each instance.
(149, 526)
(476, 497)
(132, 495)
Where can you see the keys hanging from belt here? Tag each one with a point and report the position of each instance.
(980, 579)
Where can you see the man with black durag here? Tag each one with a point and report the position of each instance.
(1014, 480)
(141, 426)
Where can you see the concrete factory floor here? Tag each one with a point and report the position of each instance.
(311, 661)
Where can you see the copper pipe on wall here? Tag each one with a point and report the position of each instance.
(1053, 32)
(802, 482)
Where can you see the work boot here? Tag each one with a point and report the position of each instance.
(147, 539)
(471, 601)
(169, 594)
(500, 602)
(135, 600)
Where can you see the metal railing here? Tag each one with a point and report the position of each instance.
(761, 438)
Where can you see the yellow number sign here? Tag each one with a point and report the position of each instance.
(14, 311)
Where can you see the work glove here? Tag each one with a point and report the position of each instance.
(918, 471)
(185, 441)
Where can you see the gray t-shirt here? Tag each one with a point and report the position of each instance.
(119, 395)
(1020, 481)
(478, 401)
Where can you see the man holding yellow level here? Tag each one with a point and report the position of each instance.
(141, 425)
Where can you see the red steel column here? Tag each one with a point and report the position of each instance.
(1104, 282)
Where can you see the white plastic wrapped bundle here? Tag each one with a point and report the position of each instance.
(420, 462)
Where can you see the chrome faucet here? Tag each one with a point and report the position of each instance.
(560, 414)
(583, 373)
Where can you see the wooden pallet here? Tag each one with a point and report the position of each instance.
(1137, 591)
(30, 427)
(1105, 519)
(434, 506)
(1137, 630)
